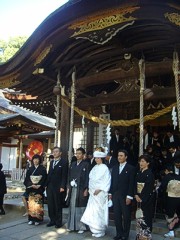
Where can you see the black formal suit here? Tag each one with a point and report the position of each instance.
(122, 185)
(173, 156)
(116, 145)
(167, 142)
(91, 162)
(111, 163)
(57, 178)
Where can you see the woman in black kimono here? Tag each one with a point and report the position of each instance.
(144, 194)
(3, 189)
(169, 190)
(34, 182)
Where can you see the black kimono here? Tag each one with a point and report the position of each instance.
(80, 174)
(144, 188)
(35, 199)
(170, 191)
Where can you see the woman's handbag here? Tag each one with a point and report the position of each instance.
(139, 212)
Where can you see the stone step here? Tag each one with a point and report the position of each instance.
(13, 195)
(159, 225)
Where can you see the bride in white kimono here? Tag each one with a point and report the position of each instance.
(96, 213)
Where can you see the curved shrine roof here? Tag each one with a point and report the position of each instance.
(104, 40)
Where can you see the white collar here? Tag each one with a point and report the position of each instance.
(122, 164)
(78, 162)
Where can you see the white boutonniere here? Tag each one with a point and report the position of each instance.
(73, 183)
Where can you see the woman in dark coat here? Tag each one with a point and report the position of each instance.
(3, 189)
(144, 193)
(34, 182)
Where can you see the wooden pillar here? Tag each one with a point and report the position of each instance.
(20, 152)
(64, 128)
(49, 146)
(71, 128)
(57, 91)
(90, 137)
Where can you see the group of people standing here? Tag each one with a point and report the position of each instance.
(162, 155)
(88, 192)
(129, 183)
(89, 187)
(93, 183)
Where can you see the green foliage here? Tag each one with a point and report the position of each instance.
(10, 47)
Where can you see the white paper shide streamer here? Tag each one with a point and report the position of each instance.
(174, 117)
(108, 133)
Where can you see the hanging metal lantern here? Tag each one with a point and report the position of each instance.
(148, 93)
(57, 90)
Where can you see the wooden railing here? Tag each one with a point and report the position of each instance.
(18, 174)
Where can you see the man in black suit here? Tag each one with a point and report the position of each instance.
(171, 138)
(56, 186)
(116, 143)
(110, 161)
(90, 159)
(122, 192)
(174, 153)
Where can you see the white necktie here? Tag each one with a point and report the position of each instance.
(55, 163)
(120, 168)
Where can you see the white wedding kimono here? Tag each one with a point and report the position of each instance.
(96, 213)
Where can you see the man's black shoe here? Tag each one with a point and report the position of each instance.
(58, 226)
(117, 238)
(50, 224)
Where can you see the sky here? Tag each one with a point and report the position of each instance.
(22, 17)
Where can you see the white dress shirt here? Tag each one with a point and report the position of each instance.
(121, 166)
(55, 162)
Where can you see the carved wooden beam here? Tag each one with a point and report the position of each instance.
(152, 69)
(139, 47)
(47, 78)
(124, 97)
